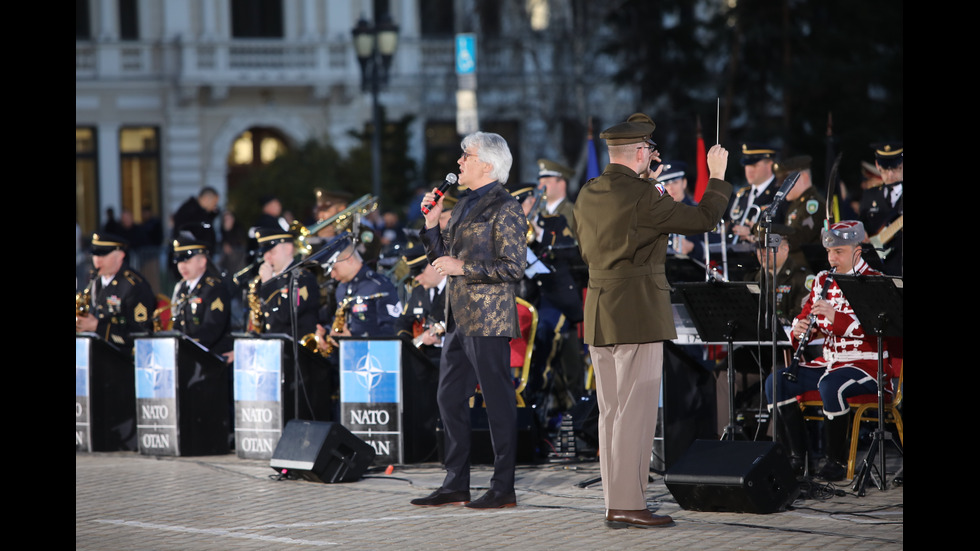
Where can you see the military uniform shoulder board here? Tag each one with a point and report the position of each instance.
(210, 281)
(132, 277)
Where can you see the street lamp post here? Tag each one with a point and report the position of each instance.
(375, 44)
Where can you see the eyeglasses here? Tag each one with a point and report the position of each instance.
(652, 146)
(467, 155)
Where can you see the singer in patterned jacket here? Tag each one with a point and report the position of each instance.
(483, 251)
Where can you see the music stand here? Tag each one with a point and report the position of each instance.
(878, 304)
(724, 312)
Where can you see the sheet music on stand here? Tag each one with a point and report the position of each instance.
(878, 303)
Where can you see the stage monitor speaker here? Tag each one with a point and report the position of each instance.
(321, 451)
(735, 476)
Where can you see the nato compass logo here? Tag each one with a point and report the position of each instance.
(369, 371)
(155, 360)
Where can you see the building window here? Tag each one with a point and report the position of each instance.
(139, 152)
(252, 150)
(86, 180)
(129, 28)
(256, 19)
(83, 21)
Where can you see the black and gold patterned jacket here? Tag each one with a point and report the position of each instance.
(491, 241)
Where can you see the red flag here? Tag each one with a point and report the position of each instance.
(702, 157)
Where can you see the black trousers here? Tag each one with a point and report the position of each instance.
(468, 361)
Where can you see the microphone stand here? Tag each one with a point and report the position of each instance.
(335, 245)
(772, 245)
(772, 242)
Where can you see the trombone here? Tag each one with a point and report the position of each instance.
(750, 218)
(341, 221)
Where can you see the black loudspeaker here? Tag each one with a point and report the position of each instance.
(321, 451)
(735, 476)
(687, 412)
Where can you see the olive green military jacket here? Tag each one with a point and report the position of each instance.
(623, 223)
(491, 240)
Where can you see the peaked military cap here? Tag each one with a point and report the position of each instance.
(520, 191)
(186, 246)
(793, 164)
(547, 167)
(327, 198)
(269, 237)
(755, 152)
(889, 154)
(104, 243)
(673, 170)
(638, 128)
(415, 260)
(845, 232)
(778, 229)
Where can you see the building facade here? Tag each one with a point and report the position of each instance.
(174, 96)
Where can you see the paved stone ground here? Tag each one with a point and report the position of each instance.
(124, 500)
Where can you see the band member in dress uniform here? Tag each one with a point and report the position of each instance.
(803, 212)
(424, 318)
(758, 160)
(122, 301)
(278, 250)
(882, 207)
(847, 367)
(369, 300)
(201, 302)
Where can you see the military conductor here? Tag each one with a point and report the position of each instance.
(623, 222)
(483, 252)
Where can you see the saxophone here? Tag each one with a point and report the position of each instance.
(340, 318)
(83, 300)
(255, 324)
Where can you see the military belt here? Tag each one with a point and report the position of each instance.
(632, 271)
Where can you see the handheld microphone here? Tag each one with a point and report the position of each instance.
(443, 187)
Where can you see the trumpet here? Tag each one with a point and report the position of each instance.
(750, 218)
(341, 221)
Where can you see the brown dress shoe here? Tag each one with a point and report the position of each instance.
(637, 518)
(441, 497)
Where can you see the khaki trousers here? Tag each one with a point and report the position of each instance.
(628, 392)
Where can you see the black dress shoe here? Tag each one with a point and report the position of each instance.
(494, 500)
(442, 497)
(639, 518)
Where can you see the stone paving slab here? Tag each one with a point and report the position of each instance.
(124, 500)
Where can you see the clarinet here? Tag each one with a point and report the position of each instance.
(794, 365)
